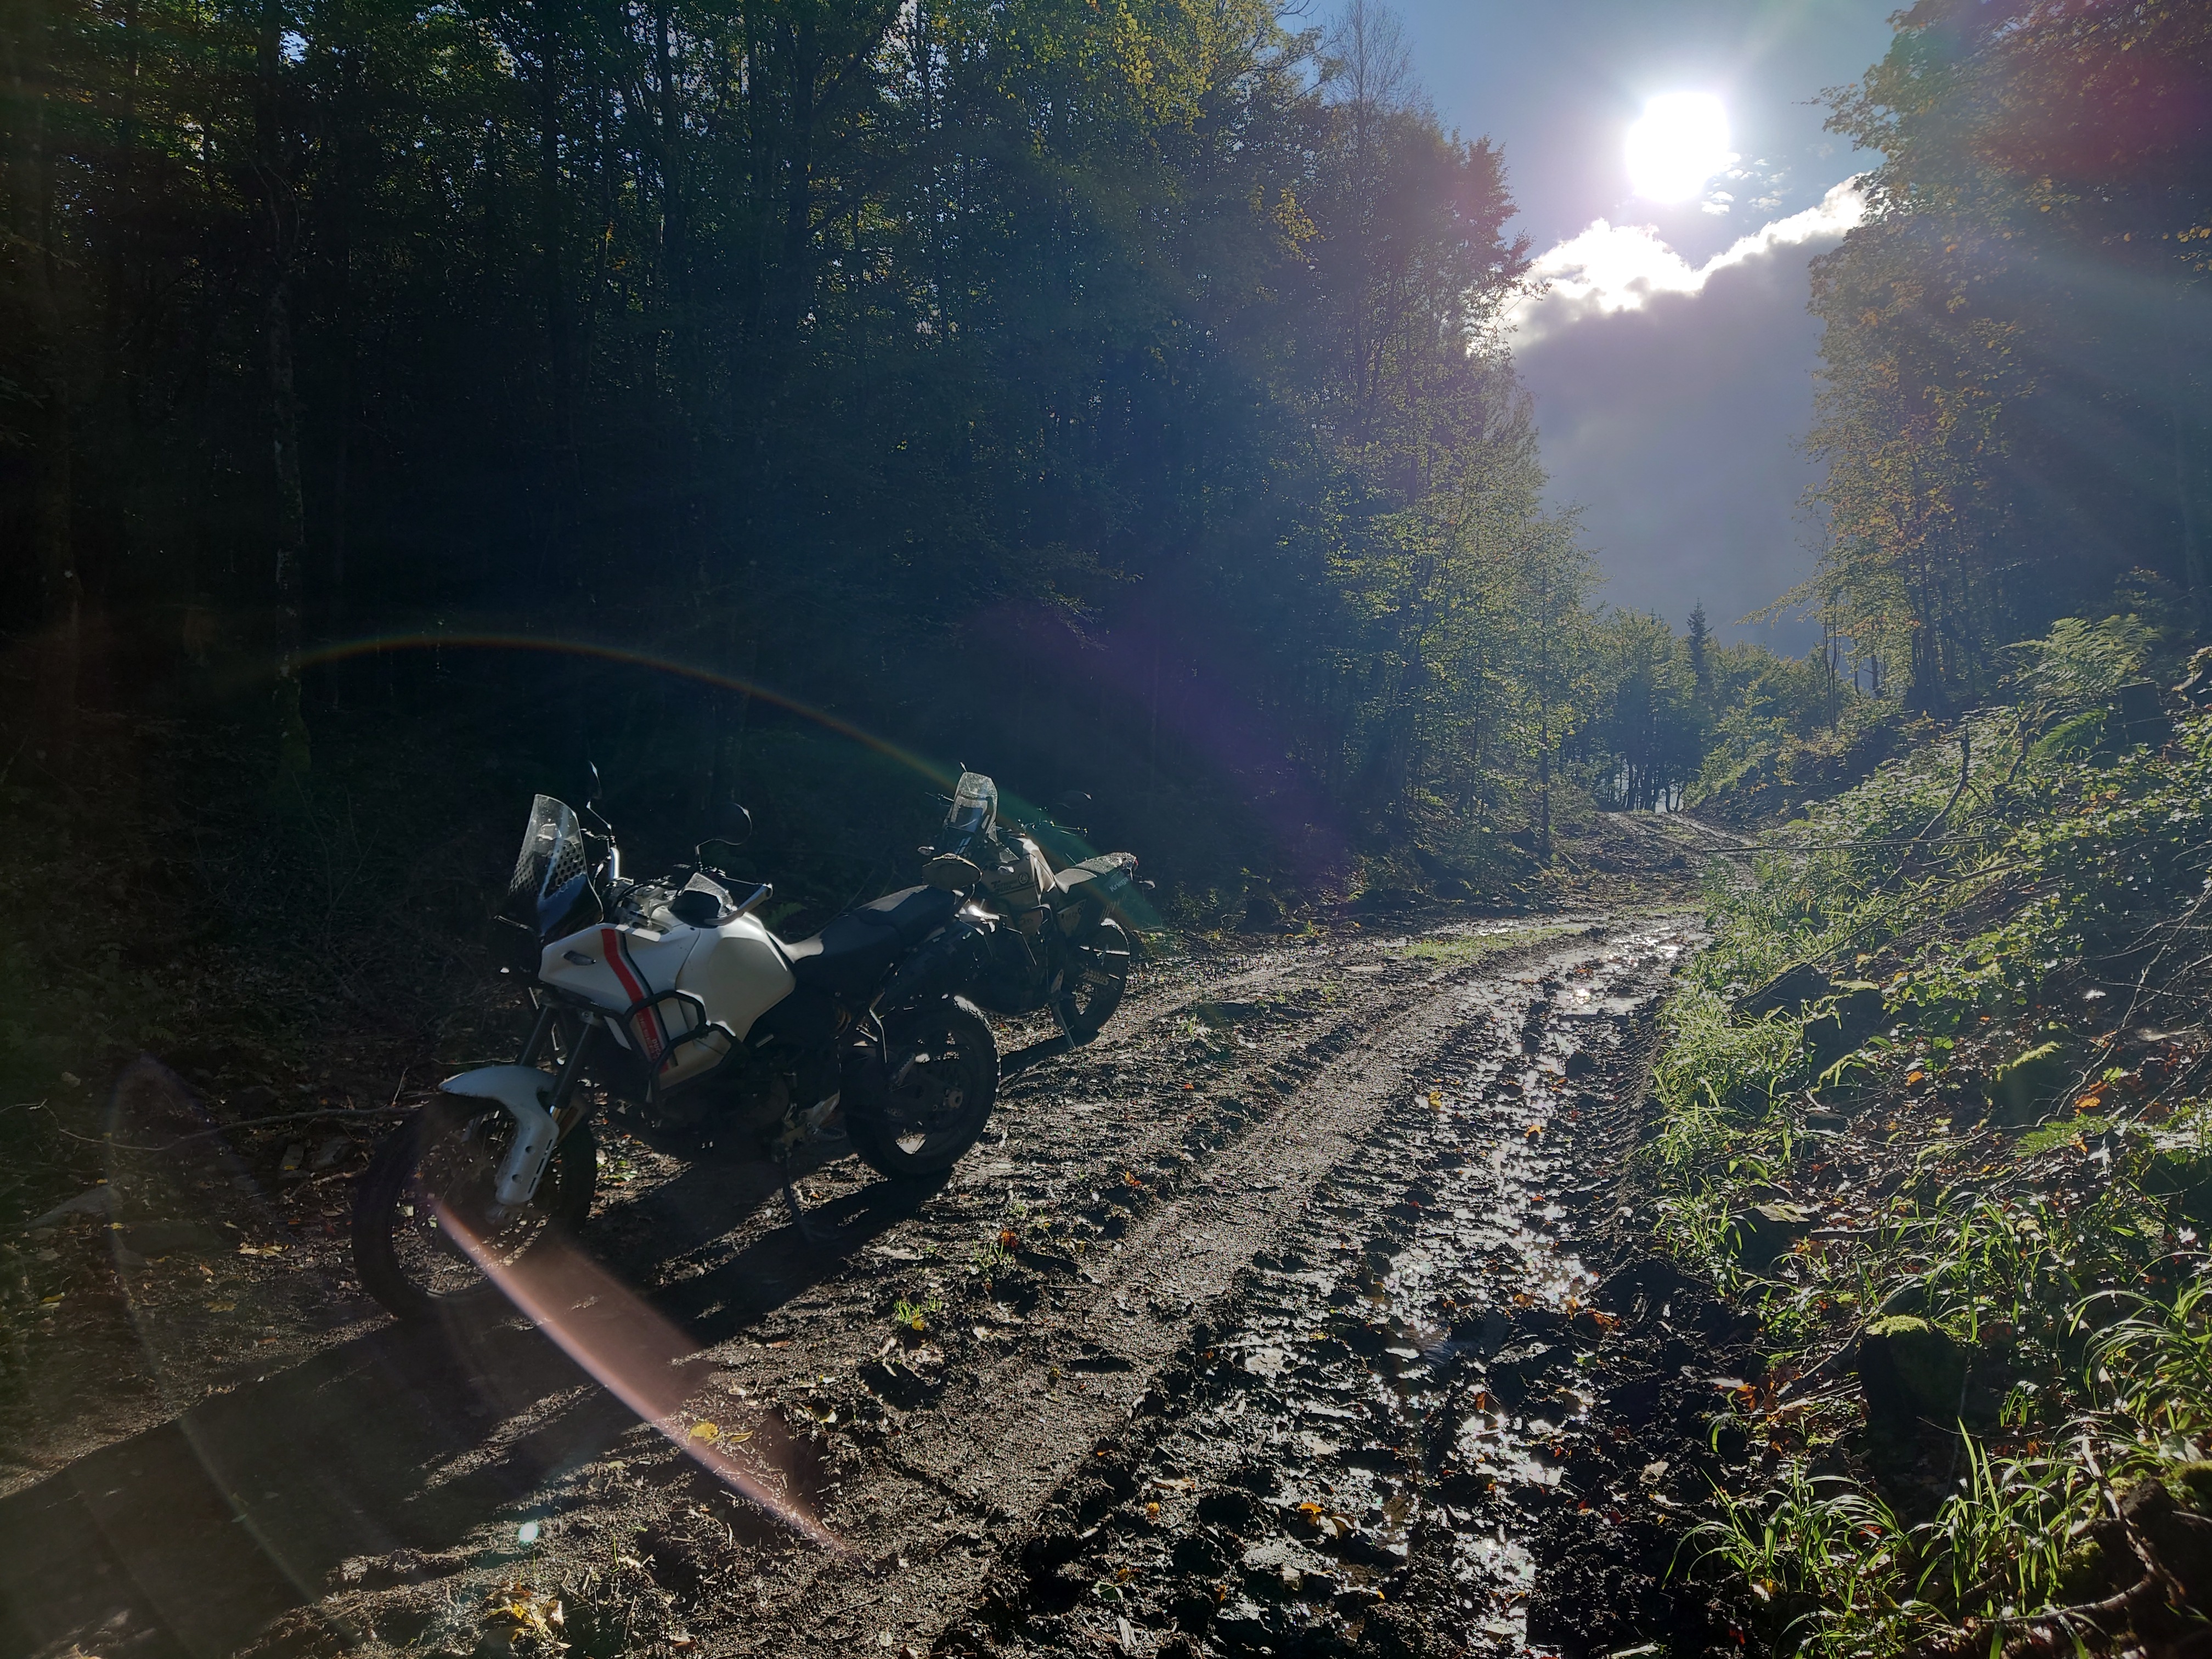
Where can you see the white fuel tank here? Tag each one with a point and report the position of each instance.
(737, 971)
(734, 970)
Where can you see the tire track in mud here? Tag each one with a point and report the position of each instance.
(1343, 1129)
(1360, 1439)
(1137, 1261)
(1160, 1190)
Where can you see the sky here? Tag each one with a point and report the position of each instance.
(1671, 362)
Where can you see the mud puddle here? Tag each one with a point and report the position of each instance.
(1374, 1434)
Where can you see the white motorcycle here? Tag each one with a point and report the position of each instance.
(705, 1035)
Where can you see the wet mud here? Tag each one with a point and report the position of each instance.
(1420, 1422)
(1298, 1314)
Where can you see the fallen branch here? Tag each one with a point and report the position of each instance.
(245, 1123)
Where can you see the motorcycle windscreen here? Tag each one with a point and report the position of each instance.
(552, 856)
(975, 810)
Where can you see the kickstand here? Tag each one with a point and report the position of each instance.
(806, 1229)
(1059, 1018)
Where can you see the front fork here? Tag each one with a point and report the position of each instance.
(541, 1034)
(544, 1035)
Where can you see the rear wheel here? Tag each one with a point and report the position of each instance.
(1097, 975)
(437, 1168)
(943, 1081)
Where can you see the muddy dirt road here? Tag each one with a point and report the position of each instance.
(1265, 1323)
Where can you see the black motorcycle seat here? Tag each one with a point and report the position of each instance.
(849, 954)
(914, 912)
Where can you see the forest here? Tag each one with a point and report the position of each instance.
(2012, 411)
(401, 408)
(1112, 397)
(976, 376)
(1619, 1141)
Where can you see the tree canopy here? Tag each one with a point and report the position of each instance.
(2018, 340)
(964, 369)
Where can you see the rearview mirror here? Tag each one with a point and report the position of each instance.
(733, 824)
(733, 828)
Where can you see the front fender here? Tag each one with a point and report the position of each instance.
(527, 1095)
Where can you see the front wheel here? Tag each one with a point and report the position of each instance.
(1096, 976)
(942, 1079)
(437, 1169)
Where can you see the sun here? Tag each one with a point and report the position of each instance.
(1680, 142)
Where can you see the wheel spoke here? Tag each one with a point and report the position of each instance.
(454, 1175)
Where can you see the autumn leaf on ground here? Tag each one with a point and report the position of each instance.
(528, 1614)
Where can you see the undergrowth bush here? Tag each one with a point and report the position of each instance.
(1762, 763)
(2006, 1143)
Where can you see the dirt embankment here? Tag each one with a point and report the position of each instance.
(1288, 1316)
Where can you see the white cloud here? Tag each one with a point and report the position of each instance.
(1612, 268)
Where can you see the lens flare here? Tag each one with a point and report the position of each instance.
(347, 650)
(634, 1353)
(1681, 143)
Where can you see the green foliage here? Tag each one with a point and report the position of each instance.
(915, 1316)
(1652, 713)
(2079, 663)
(2159, 1361)
(1838, 1574)
(2003, 286)
(1461, 948)
(1814, 1550)
(2023, 914)
(1836, 1571)
(1718, 1079)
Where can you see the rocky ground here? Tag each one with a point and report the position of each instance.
(1299, 1313)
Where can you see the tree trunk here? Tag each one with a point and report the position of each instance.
(284, 403)
(345, 322)
(291, 528)
(686, 369)
(560, 355)
(30, 223)
(2192, 574)
(804, 51)
(1544, 786)
(61, 590)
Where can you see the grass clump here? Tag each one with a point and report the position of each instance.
(907, 1316)
(1948, 1026)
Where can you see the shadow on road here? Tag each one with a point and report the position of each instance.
(190, 1538)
